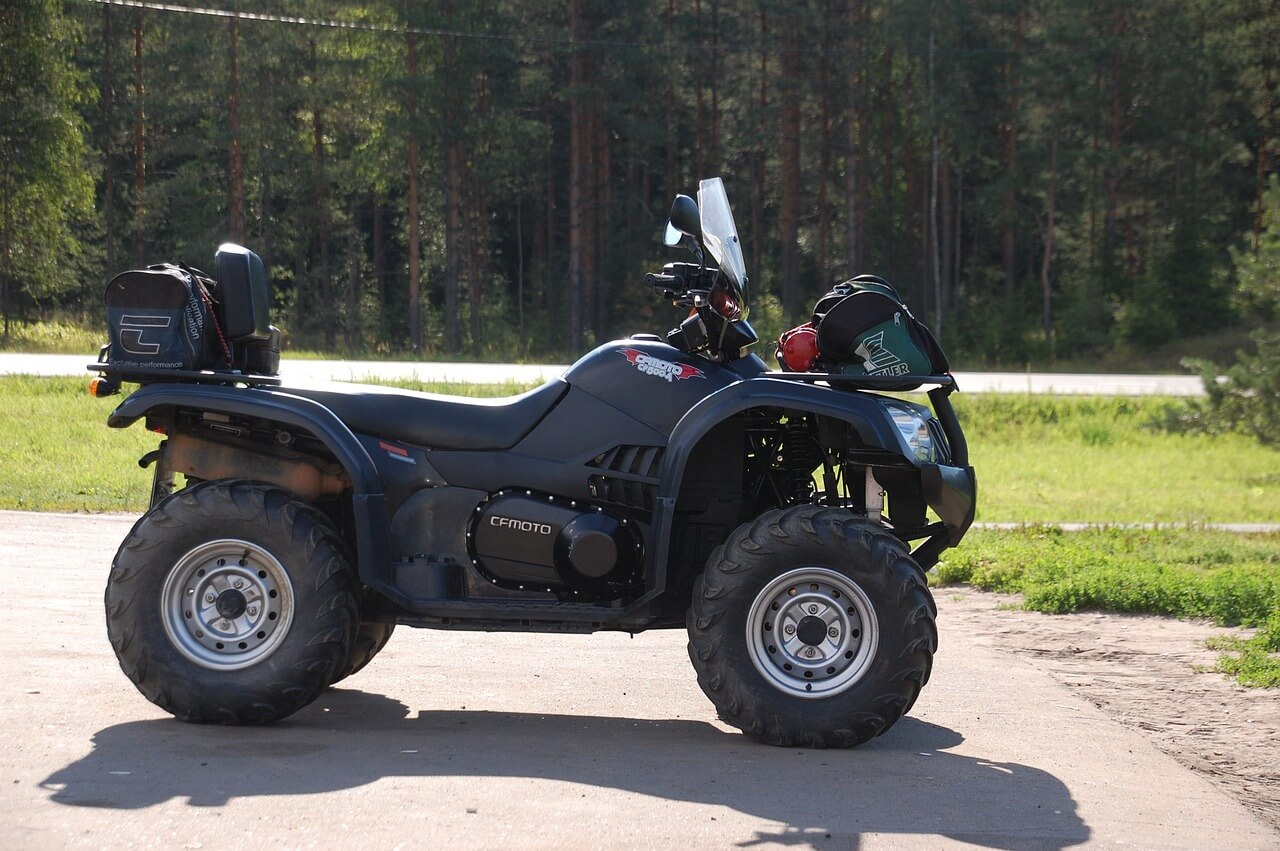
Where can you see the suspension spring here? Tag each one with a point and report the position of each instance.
(798, 456)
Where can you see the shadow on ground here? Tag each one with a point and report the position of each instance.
(349, 738)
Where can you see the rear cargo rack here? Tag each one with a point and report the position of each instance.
(117, 373)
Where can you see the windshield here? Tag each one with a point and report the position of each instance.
(721, 236)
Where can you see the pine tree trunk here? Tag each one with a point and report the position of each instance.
(476, 238)
(551, 283)
(321, 192)
(758, 154)
(380, 264)
(824, 163)
(959, 238)
(699, 170)
(888, 145)
(853, 142)
(789, 212)
(452, 247)
(1113, 145)
(714, 146)
(603, 215)
(354, 251)
(935, 260)
(671, 114)
(1007, 246)
(235, 159)
(576, 121)
(1046, 287)
(413, 213)
(520, 276)
(139, 144)
(108, 141)
(948, 236)
(265, 213)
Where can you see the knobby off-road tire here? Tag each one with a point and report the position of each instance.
(815, 590)
(371, 637)
(231, 602)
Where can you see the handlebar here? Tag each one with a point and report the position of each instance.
(668, 282)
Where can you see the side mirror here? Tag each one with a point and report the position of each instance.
(685, 218)
(672, 237)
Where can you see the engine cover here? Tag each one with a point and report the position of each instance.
(541, 541)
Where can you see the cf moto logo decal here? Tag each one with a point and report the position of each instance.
(520, 525)
(132, 329)
(664, 369)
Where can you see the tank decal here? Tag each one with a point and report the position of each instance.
(656, 366)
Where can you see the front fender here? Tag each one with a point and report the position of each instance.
(372, 526)
(860, 411)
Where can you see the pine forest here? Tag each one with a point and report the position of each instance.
(1041, 179)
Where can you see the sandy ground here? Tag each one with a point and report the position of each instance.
(1152, 674)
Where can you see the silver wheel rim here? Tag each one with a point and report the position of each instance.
(788, 648)
(227, 604)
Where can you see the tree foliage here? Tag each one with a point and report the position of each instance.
(1247, 397)
(45, 187)
(1038, 177)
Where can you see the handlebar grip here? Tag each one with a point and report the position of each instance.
(655, 279)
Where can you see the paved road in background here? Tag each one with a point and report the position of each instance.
(299, 371)
(473, 740)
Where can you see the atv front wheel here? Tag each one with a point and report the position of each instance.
(231, 602)
(812, 627)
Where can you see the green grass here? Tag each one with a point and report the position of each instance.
(1233, 580)
(57, 454)
(1103, 459)
(1039, 459)
(69, 337)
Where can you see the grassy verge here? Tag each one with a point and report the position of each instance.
(1039, 459)
(1105, 460)
(57, 454)
(70, 337)
(1233, 580)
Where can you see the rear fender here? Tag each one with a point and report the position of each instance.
(371, 530)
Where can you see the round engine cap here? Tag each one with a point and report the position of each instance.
(593, 553)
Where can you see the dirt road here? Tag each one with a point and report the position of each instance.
(473, 740)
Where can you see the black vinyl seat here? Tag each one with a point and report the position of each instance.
(434, 421)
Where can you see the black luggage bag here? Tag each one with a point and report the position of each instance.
(164, 317)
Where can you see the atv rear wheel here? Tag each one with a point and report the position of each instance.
(231, 602)
(371, 637)
(812, 627)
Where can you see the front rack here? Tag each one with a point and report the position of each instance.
(866, 382)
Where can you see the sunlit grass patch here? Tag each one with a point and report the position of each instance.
(1233, 580)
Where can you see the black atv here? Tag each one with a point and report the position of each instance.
(659, 483)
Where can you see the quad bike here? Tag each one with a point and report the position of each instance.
(659, 483)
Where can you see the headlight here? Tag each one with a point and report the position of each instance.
(915, 430)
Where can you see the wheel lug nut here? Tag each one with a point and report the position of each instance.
(813, 610)
(253, 611)
(224, 626)
(237, 584)
(789, 629)
(810, 652)
(833, 632)
(209, 598)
